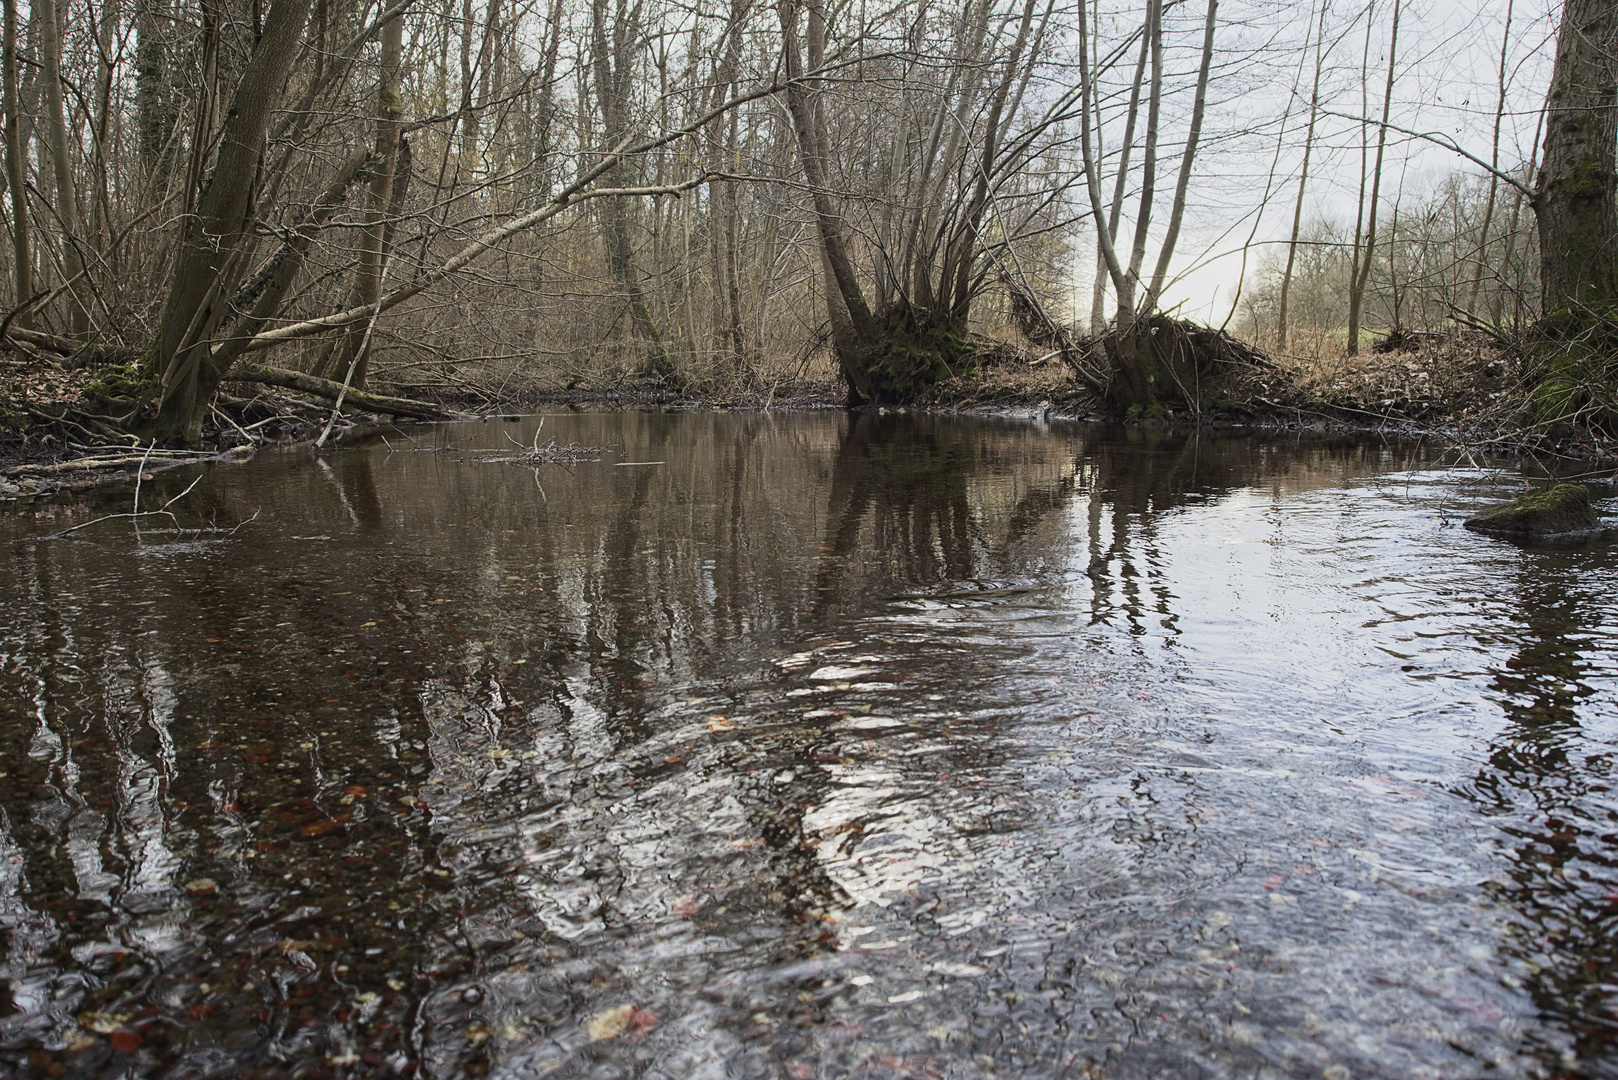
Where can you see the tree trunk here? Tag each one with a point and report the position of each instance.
(1098, 316)
(1303, 184)
(368, 275)
(1362, 271)
(1187, 159)
(67, 200)
(1148, 183)
(733, 276)
(1494, 165)
(269, 288)
(1142, 372)
(1496, 311)
(154, 100)
(1574, 197)
(612, 56)
(22, 262)
(210, 245)
(850, 318)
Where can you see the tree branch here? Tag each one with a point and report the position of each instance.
(460, 259)
(1439, 139)
(325, 388)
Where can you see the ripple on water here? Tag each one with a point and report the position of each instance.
(837, 746)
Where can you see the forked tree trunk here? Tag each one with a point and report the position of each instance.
(1574, 200)
(1183, 184)
(1098, 290)
(850, 318)
(210, 247)
(1143, 376)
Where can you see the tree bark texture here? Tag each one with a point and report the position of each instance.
(373, 247)
(1574, 197)
(613, 46)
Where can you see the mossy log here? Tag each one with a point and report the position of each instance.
(330, 390)
(1565, 511)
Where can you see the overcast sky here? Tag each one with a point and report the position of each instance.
(1246, 182)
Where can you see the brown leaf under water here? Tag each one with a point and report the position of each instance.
(630, 1021)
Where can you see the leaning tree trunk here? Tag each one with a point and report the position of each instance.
(177, 362)
(852, 327)
(1574, 200)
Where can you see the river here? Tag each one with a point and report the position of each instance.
(807, 745)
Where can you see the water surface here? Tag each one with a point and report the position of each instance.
(808, 745)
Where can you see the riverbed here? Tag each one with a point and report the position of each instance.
(698, 744)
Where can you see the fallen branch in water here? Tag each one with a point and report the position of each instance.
(137, 512)
(331, 390)
(549, 454)
(90, 464)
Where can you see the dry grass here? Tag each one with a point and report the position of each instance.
(1463, 380)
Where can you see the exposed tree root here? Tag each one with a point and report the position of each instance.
(1163, 363)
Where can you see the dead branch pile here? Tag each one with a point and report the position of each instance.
(1196, 359)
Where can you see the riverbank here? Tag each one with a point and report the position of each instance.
(1457, 390)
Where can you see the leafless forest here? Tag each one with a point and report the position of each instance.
(449, 197)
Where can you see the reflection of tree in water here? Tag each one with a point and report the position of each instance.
(1547, 782)
(1133, 481)
(909, 476)
(904, 509)
(372, 783)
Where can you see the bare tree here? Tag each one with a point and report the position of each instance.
(1303, 177)
(22, 260)
(1363, 256)
(1144, 375)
